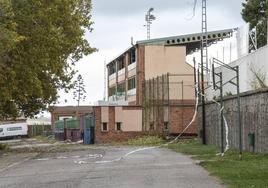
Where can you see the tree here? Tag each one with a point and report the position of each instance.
(255, 12)
(45, 39)
(79, 90)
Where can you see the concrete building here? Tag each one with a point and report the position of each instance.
(136, 76)
(151, 58)
(150, 90)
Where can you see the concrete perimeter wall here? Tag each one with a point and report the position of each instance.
(250, 65)
(254, 112)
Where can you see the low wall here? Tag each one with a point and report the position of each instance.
(180, 117)
(254, 115)
(131, 123)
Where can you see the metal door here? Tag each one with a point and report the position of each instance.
(89, 129)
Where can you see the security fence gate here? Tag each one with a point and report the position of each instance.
(89, 129)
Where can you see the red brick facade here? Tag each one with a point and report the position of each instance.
(180, 117)
(140, 73)
(112, 135)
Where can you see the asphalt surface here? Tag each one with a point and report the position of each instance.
(154, 168)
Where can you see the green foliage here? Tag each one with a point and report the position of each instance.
(258, 80)
(217, 98)
(4, 147)
(255, 12)
(40, 42)
(251, 171)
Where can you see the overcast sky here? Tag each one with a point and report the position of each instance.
(116, 21)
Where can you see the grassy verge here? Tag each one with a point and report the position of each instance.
(251, 171)
(4, 147)
(45, 139)
(141, 141)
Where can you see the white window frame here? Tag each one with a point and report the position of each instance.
(116, 126)
(102, 127)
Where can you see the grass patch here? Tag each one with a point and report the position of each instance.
(251, 171)
(46, 139)
(4, 147)
(142, 141)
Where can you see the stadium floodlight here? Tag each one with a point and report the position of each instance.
(149, 17)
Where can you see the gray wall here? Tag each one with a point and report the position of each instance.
(254, 112)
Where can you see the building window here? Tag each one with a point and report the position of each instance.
(104, 127)
(132, 56)
(121, 88)
(132, 83)
(151, 126)
(118, 126)
(112, 68)
(112, 91)
(166, 125)
(121, 63)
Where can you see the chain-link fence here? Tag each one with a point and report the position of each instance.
(165, 99)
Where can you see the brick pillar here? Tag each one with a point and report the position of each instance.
(140, 73)
(111, 122)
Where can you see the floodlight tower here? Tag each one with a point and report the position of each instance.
(204, 62)
(149, 18)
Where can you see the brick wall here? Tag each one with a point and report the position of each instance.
(140, 74)
(180, 117)
(112, 135)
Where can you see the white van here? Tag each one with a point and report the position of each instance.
(13, 130)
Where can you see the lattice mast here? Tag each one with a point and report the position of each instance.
(204, 65)
(149, 17)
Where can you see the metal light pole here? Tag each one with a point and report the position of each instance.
(149, 18)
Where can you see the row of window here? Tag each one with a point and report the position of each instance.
(132, 83)
(104, 126)
(121, 63)
(14, 129)
(122, 87)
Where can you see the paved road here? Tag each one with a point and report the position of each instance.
(155, 168)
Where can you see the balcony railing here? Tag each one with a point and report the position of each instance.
(131, 92)
(119, 96)
(112, 76)
(132, 66)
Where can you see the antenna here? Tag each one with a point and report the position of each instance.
(149, 17)
(132, 43)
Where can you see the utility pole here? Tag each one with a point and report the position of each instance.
(149, 18)
(204, 62)
(104, 91)
(267, 32)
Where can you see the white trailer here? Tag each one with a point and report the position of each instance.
(13, 130)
